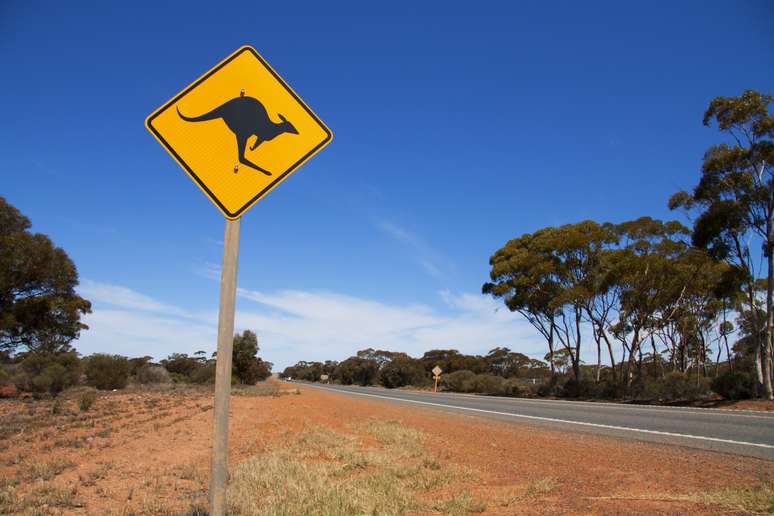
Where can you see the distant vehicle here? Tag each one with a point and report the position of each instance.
(289, 379)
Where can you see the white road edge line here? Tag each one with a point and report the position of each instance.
(553, 420)
(653, 408)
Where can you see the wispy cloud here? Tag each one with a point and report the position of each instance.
(423, 253)
(208, 270)
(297, 325)
(122, 297)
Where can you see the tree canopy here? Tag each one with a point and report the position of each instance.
(39, 308)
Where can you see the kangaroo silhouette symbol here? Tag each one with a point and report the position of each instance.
(246, 117)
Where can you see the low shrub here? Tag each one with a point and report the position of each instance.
(50, 373)
(549, 388)
(86, 400)
(178, 378)
(106, 372)
(486, 384)
(734, 385)
(205, 374)
(673, 386)
(610, 390)
(58, 407)
(400, 372)
(152, 374)
(511, 388)
(458, 381)
(573, 388)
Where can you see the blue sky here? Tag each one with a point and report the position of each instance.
(457, 126)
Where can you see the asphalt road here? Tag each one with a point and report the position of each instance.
(736, 432)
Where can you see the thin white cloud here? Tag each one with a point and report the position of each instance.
(137, 333)
(122, 297)
(297, 325)
(422, 253)
(208, 270)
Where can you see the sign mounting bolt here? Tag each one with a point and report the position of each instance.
(236, 168)
(242, 92)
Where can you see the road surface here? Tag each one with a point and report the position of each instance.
(736, 432)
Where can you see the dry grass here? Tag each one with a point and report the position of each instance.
(534, 489)
(267, 388)
(44, 499)
(44, 470)
(324, 472)
(747, 500)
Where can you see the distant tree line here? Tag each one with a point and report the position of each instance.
(40, 316)
(672, 311)
(395, 369)
(52, 371)
(657, 297)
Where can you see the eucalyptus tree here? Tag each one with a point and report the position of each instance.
(735, 203)
(39, 307)
(552, 277)
(579, 250)
(525, 278)
(707, 287)
(644, 272)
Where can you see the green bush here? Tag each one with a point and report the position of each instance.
(152, 374)
(486, 384)
(58, 407)
(52, 379)
(610, 390)
(402, 371)
(673, 386)
(205, 374)
(573, 388)
(511, 387)
(47, 372)
(247, 366)
(458, 381)
(106, 372)
(549, 388)
(86, 400)
(178, 378)
(734, 385)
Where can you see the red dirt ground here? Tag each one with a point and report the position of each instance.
(149, 451)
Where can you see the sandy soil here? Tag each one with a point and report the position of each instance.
(148, 452)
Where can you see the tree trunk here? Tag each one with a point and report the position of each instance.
(656, 358)
(612, 357)
(630, 362)
(576, 361)
(766, 355)
(599, 359)
(551, 349)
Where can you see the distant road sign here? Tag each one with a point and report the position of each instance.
(324, 377)
(238, 131)
(437, 371)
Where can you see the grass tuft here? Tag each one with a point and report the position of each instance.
(45, 470)
(746, 499)
(324, 472)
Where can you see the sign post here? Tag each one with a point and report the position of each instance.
(436, 376)
(219, 469)
(238, 131)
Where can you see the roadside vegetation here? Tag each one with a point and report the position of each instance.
(674, 312)
(321, 471)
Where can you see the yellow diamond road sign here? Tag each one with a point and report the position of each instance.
(239, 130)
